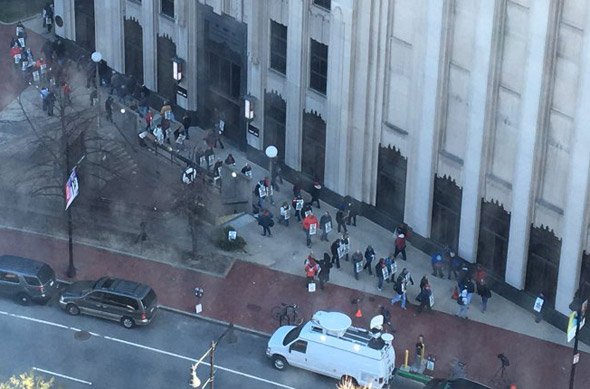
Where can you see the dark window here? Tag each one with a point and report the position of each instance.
(299, 346)
(122, 301)
(543, 264)
(9, 277)
(33, 281)
(96, 296)
(168, 8)
(275, 122)
(391, 183)
(446, 212)
(313, 153)
(292, 335)
(323, 3)
(492, 245)
(45, 274)
(278, 47)
(134, 49)
(318, 67)
(149, 299)
(224, 75)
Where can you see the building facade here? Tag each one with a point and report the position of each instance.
(464, 118)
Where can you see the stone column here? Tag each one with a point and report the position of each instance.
(192, 55)
(297, 53)
(474, 156)
(576, 202)
(110, 37)
(522, 189)
(421, 160)
(338, 91)
(65, 9)
(149, 23)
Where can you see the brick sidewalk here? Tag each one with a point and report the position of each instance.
(246, 296)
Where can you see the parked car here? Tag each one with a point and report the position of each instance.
(128, 302)
(457, 383)
(26, 279)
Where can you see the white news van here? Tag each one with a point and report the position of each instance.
(329, 345)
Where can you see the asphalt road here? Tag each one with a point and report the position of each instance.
(85, 352)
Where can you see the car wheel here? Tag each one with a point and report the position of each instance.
(72, 309)
(279, 362)
(127, 322)
(23, 299)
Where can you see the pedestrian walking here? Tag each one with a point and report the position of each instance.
(538, 307)
(247, 170)
(166, 110)
(297, 189)
(357, 263)
(325, 225)
(269, 190)
(480, 274)
(400, 246)
(336, 248)
(260, 193)
(463, 305)
(419, 356)
(453, 263)
(401, 286)
(485, 293)
(149, 117)
(297, 204)
(266, 221)
(315, 190)
(44, 93)
(424, 295)
(311, 268)
(391, 264)
(470, 287)
(186, 123)
(219, 130)
(352, 210)
(345, 246)
(67, 93)
(325, 266)
(340, 219)
(369, 256)
(437, 265)
(230, 160)
(285, 212)
(108, 106)
(310, 225)
(382, 273)
(50, 103)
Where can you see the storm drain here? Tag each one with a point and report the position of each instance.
(81, 335)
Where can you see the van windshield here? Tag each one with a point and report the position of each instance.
(45, 274)
(292, 335)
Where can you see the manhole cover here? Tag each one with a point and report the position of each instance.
(82, 335)
(254, 307)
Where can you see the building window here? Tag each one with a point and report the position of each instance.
(168, 8)
(326, 4)
(224, 75)
(318, 73)
(278, 47)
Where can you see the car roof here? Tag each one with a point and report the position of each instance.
(121, 286)
(20, 264)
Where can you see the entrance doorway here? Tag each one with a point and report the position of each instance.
(84, 14)
(275, 121)
(313, 146)
(446, 212)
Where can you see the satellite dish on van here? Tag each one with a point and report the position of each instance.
(387, 338)
(333, 323)
(376, 322)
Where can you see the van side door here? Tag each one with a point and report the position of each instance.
(298, 353)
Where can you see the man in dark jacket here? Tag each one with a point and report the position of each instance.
(325, 225)
(340, 219)
(316, 187)
(335, 253)
(265, 220)
(186, 123)
(369, 256)
(325, 266)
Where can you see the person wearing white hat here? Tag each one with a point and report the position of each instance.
(400, 246)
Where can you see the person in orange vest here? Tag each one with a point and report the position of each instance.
(310, 225)
(311, 269)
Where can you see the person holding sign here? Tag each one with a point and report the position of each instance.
(382, 273)
(357, 263)
(335, 249)
(325, 225)
(297, 204)
(310, 225)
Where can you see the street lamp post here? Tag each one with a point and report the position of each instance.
(96, 58)
(271, 152)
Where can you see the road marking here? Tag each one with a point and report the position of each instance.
(63, 376)
(156, 350)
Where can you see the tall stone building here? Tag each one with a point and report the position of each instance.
(465, 118)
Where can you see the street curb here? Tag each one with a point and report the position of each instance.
(112, 250)
(212, 320)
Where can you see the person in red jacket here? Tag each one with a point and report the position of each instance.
(311, 269)
(400, 246)
(310, 225)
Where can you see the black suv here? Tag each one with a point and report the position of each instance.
(127, 302)
(26, 280)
